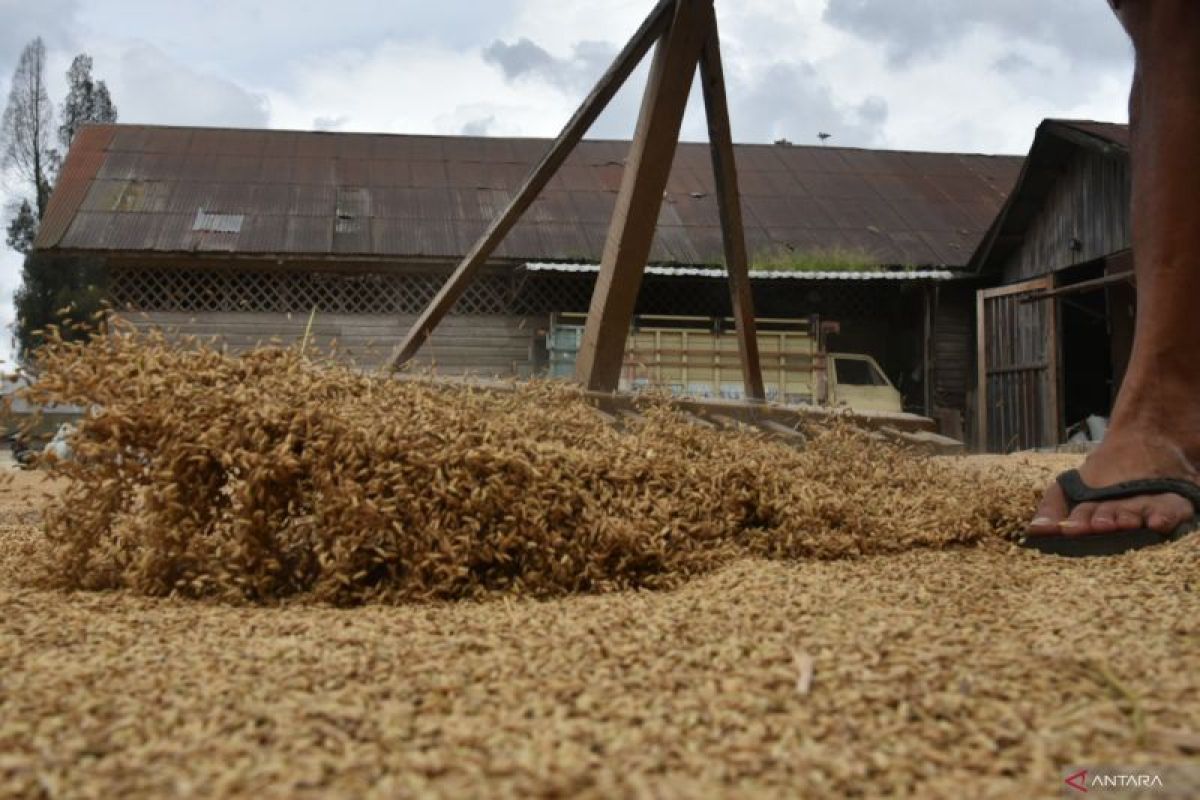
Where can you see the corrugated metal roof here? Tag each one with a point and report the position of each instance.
(88, 152)
(763, 274)
(125, 187)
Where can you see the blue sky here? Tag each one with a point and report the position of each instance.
(951, 75)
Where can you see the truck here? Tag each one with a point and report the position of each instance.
(698, 357)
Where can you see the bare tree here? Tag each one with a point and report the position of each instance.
(27, 124)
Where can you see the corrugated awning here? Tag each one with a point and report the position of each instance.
(795, 275)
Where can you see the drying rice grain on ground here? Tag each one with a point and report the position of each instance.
(846, 619)
(268, 475)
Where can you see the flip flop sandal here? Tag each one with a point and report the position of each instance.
(1115, 542)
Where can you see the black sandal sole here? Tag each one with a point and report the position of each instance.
(1117, 542)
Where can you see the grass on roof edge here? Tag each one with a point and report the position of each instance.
(825, 259)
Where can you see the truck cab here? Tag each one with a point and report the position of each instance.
(857, 382)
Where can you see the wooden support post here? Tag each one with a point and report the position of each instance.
(652, 30)
(720, 137)
(929, 309)
(981, 365)
(639, 201)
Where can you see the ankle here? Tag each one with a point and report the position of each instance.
(1163, 397)
(1144, 430)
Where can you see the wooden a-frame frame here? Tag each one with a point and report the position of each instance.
(685, 35)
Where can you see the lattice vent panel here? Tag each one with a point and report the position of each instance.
(199, 291)
(158, 289)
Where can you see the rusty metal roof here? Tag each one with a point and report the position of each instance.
(139, 189)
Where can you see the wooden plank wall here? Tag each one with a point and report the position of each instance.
(1090, 202)
(953, 341)
(490, 345)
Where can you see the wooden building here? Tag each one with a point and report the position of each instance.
(245, 234)
(1055, 325)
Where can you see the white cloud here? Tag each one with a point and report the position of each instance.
(478, 127)
(794, 101)
(1081, 29)
(411, 87)
(255, 41)
(961, 101)
(53, 20)
(576, 73)
(151, 87)
(329, 123)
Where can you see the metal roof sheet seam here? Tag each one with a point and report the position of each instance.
(802, 275)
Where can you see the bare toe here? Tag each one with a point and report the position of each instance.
(1104, 520)
(1129, 519)
(1165, 513)
(1080, 519)
(1051, 512)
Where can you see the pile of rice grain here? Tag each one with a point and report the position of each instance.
(271, 474)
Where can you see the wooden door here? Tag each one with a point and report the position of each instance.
(1017, 396)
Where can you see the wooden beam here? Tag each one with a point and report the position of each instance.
(639, 201)
(720, 137)
(651, 30)
(1055, 411)
(981, 392)
(1083, 286)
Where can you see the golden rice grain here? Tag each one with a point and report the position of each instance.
(273, 474)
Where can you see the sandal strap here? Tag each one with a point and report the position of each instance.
(1078, 492)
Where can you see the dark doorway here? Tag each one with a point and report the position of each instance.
(1087, 361)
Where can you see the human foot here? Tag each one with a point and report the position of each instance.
(1123, 458)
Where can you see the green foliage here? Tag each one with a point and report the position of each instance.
(87, 100)
(23, 229)
(825, 259)
(65, 291)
